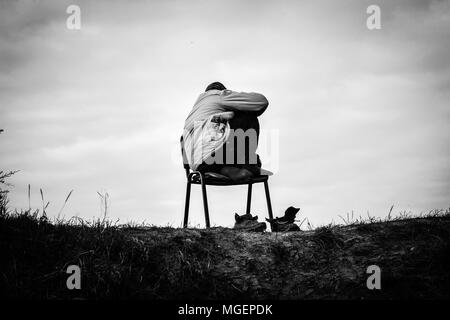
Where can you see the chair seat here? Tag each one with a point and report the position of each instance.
(216, 179)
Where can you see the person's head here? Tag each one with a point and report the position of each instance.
(215, 86)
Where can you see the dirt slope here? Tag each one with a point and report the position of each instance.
(168, 263)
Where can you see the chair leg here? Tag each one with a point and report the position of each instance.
(269, 204)
(186, 204)
(205, 204)
(249, 198)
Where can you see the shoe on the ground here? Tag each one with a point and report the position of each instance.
(279, 226)
(285, 223)
(247, 222)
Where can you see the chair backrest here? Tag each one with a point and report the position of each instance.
(185, 160)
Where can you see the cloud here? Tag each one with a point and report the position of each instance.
(362, 115)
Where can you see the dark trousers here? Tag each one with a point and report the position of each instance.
(251, 161)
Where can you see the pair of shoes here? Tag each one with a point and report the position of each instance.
(285, 223)
(247, 222)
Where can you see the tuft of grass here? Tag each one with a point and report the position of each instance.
(44, 206)
(29, 197)
(104, 204)
(4, 176)
(349, 219)
(389, 214)
(64, 204)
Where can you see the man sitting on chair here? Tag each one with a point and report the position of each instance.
(221, 132)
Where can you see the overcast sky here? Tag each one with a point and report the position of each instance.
(358, 119)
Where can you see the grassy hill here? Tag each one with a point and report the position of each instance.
(168, 263)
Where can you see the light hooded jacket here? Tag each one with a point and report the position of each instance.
(203, 134)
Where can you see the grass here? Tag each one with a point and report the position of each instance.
(135, 261)
(146, 262)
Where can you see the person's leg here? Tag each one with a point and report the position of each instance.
(248, 124)
(242, 162)
(242, 144)
(236, 174)
(204, 167)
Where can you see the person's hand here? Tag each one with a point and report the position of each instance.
(223, 116)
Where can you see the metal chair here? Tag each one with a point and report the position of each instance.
(215, 179)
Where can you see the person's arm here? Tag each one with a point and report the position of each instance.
(223, 116)
(244, 102)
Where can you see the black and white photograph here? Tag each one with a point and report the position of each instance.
(224, 158)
